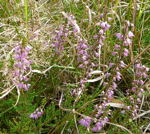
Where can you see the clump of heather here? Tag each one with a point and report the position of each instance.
(136, 92)
(82, 44)
(89, 59)
(113, 74)
(60, 39)
(101, 109)
(69, 30)
(22, 66)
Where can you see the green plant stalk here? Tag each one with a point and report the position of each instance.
(26, 16)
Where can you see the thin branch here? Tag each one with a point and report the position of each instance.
(142, 114)
(122, 127)
(148, 126)
(49, 68)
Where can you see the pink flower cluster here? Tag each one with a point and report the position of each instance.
(101, 121)
(127, 39)
(21, 67)
(37, 113)
(100, 37)
(59, 39)
(86, 121)
(137, 87)
(100, 124)
(82, 45)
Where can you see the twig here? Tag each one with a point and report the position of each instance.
(18, 92)
(142, 102)
(89, 13)
(64, 127)
(148, 126)
(75, 121)
(137, 57)
(49, 68)
(6, 92)
(122, 127)
(142, 114)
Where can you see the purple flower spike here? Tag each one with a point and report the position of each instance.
(21, 66)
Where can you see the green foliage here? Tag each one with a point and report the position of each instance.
(46, 88)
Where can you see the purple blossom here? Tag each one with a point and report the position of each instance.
(98, 126)
(130, 34)
(110, 93)
(127, 42)
(117, 77)
(83, 56)
(117, 47)
(111, 65)
(33, 116)
(109, 19)
(101, 15)
(142, 90)
(86, 121)
(114, 53)
(134, 89)
(126, 52)
(119, 36)
(138, 100)
(101, 32)
(141, 82)
(104, 25)
(108, 75)
(114, 85)
(141, 71)
(105, 83)
(122, 64)
(95, 37)
(36, 114)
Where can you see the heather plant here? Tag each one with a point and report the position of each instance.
(74, 67)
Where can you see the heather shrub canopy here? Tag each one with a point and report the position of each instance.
(74, 67)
